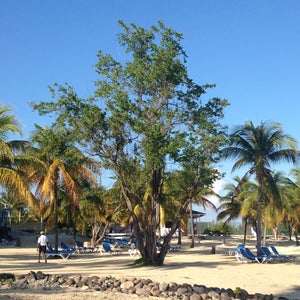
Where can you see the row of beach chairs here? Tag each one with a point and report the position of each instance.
(108, 246)
(268, 254)
(65, 251)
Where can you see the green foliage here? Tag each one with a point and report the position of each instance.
(238, 291)
(218, 229)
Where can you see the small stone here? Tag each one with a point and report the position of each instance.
(182, 291)
(205, 296)
(80, 284)
(127, 285)
(199, 289)
(214, 295)
(142, 292)
(173, 286)
(40, 275)
(225, 296)
(21, 284)
(163, 286)
(132, 291)
(195, 297)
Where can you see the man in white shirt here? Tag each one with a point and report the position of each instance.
(42, 244)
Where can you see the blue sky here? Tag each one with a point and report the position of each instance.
(249, 49)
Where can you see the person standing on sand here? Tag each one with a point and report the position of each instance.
(42, 244)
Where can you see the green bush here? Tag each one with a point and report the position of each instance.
(218, 229)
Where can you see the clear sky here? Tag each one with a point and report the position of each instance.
(249, 49)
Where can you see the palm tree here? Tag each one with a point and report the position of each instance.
(249, 194)
(13, 204)
(231, 204)
(258, 147)
(276, 197)
(101, 209)
(13, 162)
(178, 187)
(244, 203)
(63, 168)
(291, 204)
(205, 203)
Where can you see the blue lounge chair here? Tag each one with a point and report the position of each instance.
(8, 241)
(64, 254)
(122, 243)
(236, 250)
(108, 249)
(282, 256)
(80, 248)
(266, 252)
(237, 253)
(247, 253)
(240, 246)
(65, 246)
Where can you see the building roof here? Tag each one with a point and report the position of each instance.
(197, 214)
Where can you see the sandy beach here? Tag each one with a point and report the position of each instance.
(189, 265)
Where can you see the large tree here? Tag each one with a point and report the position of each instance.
(150, 118)
(258, 147)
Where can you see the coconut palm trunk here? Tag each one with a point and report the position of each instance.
(258, 219)
(179, 241)
(55, 214)
(192, 226)
(245, 230)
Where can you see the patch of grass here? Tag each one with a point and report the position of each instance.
(237, 291)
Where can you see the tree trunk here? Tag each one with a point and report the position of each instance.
(74, 234)
(245, 230)
(179, 242)
(290, 228)
(150, 254)
(41, 224)
(224, 239)
(55, 221)
(192, 226)
(146, 240)
(97, 235)
(167, 240)
(145, 230)
(259, 216)
(95, 232)
(157, 221)
(265, 234)
(275, 232)
(296, 237)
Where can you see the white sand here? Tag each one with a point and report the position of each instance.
(194, 266)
